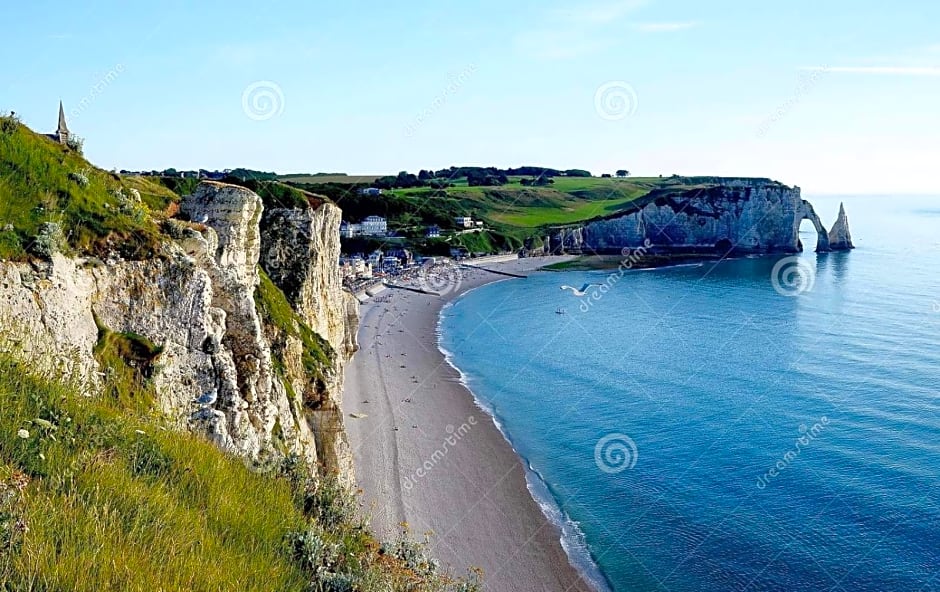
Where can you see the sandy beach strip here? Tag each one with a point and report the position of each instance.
(427, 455)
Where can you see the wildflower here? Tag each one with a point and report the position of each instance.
(23, 433)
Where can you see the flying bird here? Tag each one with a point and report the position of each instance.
(579, 292)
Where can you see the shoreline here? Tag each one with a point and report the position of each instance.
(571, 537)
(428, 454)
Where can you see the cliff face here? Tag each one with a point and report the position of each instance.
(198, 303)
(300, 246)
(744, 216)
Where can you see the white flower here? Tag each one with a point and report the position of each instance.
(24, 434)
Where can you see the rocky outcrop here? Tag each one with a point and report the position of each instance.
(301, 257)
(217, 372)
(739, 216)
(840, 237)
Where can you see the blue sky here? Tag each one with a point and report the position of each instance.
(834, 96)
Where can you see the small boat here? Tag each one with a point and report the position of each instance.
(561, 311)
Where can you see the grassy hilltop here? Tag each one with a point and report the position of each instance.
(43, 182)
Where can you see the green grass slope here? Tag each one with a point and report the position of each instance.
(96, 496)
(43, 182)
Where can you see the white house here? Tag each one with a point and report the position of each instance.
(464, 221)
(370, 191)
(349, 229)
(374, 226)
(433, 232)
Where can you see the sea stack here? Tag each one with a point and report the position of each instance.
(840, 237)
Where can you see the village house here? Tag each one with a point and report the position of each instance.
(374, 226)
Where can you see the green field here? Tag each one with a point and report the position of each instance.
(569, 200)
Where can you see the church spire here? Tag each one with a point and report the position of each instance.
(62, 133)
(62, 126)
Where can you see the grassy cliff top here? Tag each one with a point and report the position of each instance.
(509, 207)
(43, 182)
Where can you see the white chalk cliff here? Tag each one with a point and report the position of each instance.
(198, 303)
(736, 215)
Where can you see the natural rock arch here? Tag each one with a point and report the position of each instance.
(808, 213)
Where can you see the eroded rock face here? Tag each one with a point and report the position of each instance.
(744, 216)
(840, 237)
(198, 304)
(300, 254)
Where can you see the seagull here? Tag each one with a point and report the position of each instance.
(580, 292)
(208, 398)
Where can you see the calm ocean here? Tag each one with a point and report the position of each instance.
(707, 428)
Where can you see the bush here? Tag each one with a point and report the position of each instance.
(49, 241)
(76, 144)
(311, 552)
(9, 123)
(330, 504)
(80, 177)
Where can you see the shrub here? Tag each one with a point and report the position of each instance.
(49, 241)
(330, 504)
(76, 144)
(9, 123)
(80, 177)
(311, 552)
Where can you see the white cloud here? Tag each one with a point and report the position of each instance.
(879, 70)
(665, 27)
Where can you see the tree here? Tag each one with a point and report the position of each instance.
(577, 173)
(623, 173)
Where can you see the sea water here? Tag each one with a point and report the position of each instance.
(756, 424)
